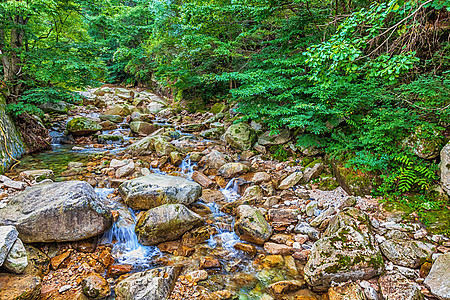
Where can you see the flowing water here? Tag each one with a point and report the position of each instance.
(238, 270)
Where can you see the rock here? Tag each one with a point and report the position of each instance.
(311, 208)
(54, 108)
(407, 253)
(109, 138)
(290, 180)
(154, 190)
(247, 248)
(115, 163)
(17, 260)
(57, 212)
(13, 184)
(19, 287)
(125, 170)
(83, 126)
(284, 215)
(240, 136)
(438, 280)
(231, 170)
(36, 175)
(57, 260)
(142, 128)
(193, 127)
(155, 107)
(154, 284)
(8, 236)
(268, 139)
(306, 229)
(397, 287)
(175, 158)
(38, 262)
(196, 276)
(111, 118)
(312, 173)
(196, 236)
(214, 160)
(95, 286)
(273, 248)
(163, 147)
(202, 179)
(251, 225)
(323, 215)
(209, 263)
(259, 177)
(347, 251)
(212, 133)
(347, 291)
(445, 168)
(218, 108)
(286, 286)
(210, 196)
(107, 125)
(424, 145)
(166, 223)
(120, 110)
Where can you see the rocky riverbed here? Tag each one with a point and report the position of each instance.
(138, 200)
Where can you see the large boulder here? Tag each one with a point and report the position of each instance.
(268, 139)
(438, 280)
(407, 253)
(233, 169)
(251, 225)
(83, 126)
(445, 168)
(155, 189)
(425, 145)
(347, 251)
(57, 212)
(240, 136)
(214, 160)
(54, 108)
(166, 223)
(154, 284)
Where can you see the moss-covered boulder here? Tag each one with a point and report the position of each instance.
(347, 251)
(83, 126)
(424, 144)
(109, 138)
(251, 225)
(218, 108)
(55, 108)
(213, 133)
(240, 136)
(355, 182)
(407, 253)
(166, 223)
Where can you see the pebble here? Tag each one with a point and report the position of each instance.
(64, 288)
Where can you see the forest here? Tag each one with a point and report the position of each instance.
(355, 94)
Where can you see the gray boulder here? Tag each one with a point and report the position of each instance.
(438, 280)
(267, 139)
(57, 212)
(407, 253)
(240, 136)
(347, 251)
(155, 189)
(143, 128)
(251, 225)
(214, 160)
(233, 169)
(154, 284)
(166, 223)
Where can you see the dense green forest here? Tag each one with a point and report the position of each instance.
(364, 82)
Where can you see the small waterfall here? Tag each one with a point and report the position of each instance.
(226, 237)
(187, 167)
(125, 245)
(231, 190)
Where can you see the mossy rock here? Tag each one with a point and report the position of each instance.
(218, 108)
(83, 126)
(240, 136)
